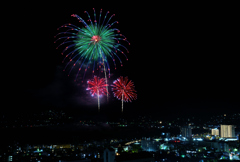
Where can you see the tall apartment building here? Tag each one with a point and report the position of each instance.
(227, 131)
(215, 132)
(186, 132)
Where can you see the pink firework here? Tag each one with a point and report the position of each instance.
(97, 87)
(124, 90)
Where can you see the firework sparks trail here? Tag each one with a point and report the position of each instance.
(96, 86)
(124, 90)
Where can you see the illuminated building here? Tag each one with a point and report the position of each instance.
(220, 146)
(186, 132)
(227, 131)
(223, 146)
(215, 132)
(109, 155)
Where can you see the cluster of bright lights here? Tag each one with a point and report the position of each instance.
(131, 142)
(228, 139)
(197, 139)
(94, 43)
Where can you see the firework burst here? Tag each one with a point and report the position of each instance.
(124, 90)
(94, 43)
(97, 86)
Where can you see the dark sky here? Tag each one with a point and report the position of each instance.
(182, 57)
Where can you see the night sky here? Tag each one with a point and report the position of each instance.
(183, 58)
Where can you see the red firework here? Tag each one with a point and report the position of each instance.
(97, 86)
(124, 90)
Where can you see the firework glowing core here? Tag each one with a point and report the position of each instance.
(95, 39)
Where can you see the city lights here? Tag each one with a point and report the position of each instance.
(202, 144)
